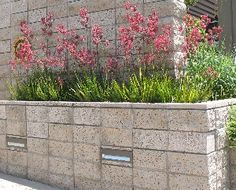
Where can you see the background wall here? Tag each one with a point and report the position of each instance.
(227, 18)
(107, 13)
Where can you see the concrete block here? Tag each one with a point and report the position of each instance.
(87, 134)
(17, 158)
(3, 160)
(191, 142)
(37, 130)
(223, 158)
(41, 176)
(117, 175)
(150, 179)
(37, 14)
(85, 152)
(150, 139)
(87, 116)
(17, 128)
(61, 149)
(233, 175)
(37, 162)
(18, 171)
(87, 170)
(223, 178)
(37, 4)
(37, 114)
(149, 159)
(39, 146)
(60, 166)
(87, 184)
(62, 181)
(221, 139)
(61, 115)
(117, 118)
(19, 6)
(192, 164)
(222, 116)
(3, 112)
(185, 182)
(2, 141)
(5, 46)
(15, 113)
(59, 11)
(191, 120)
(106, 17)
(233, 156)
(3, 127)
(116, 137)
(61, 132)
(17, 18)
(150, 119)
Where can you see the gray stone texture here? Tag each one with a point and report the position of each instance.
(169, 151)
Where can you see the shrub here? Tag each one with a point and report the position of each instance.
(210, 64)
(40, 85)
(140, 77)
(231, 127)
(139, 88)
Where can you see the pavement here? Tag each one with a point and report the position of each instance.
(13, 183)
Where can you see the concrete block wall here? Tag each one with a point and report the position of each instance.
(107, 13)
(173, 146)
(233, 168)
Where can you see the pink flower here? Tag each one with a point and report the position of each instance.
(25, 29)
(85, 57)
(131, 7)
(61, 29)
(149, 58)
(107, 43)
(152, 25)
(97, 34)
(47, 24)
(111, 64)
(84, 18)
(135, 21)
(127, 39)
(162, 43)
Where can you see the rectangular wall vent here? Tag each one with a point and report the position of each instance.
(16, 142)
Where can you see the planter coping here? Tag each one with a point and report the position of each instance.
(191, 106)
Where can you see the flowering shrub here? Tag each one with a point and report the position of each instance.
(210, 64)
(144, 47)
(142, 41)
(197, 33)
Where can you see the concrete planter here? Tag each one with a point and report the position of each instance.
(114, 146)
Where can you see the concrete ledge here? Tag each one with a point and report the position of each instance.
(188, 106)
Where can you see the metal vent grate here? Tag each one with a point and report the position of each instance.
(204, 7)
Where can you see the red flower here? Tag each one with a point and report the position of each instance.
(84, 18)
(97, 34)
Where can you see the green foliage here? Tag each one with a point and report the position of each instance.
(191, 2)
(210, 64)
(210, 74)
(39, 85)
(139, 88)
(231, 127)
